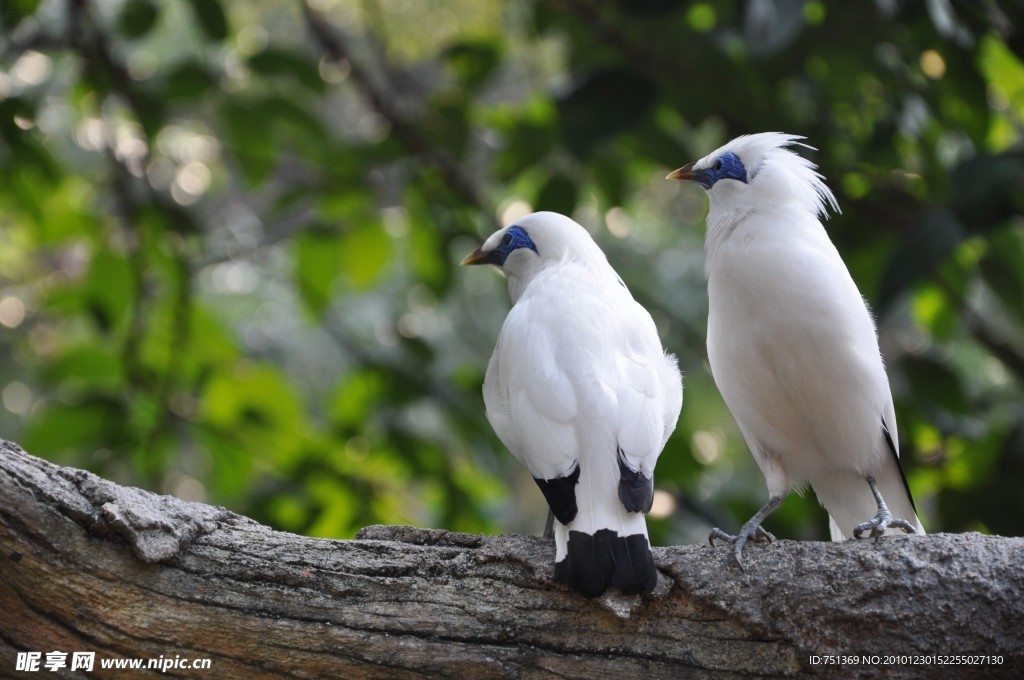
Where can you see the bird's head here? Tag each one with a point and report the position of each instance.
(513, 241)
(534, 242)
(755, 170)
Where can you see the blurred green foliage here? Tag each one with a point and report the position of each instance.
(229, 232)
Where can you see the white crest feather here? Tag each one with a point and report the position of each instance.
(793, 175)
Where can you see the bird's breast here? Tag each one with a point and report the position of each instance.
(793, 350)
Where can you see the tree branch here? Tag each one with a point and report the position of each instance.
(88, 565)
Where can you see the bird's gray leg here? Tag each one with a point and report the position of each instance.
(752, 530)
(549, 526)
(883, 519)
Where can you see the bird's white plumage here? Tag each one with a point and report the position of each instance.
(578, 373)
(792, 344)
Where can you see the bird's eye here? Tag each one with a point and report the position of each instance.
(719, 164)
(507, 241)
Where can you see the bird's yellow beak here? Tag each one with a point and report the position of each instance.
(478, 256)
(683, 174)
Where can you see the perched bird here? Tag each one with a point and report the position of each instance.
(580, 391)
(792, 344)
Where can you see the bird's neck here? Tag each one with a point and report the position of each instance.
(722, 221)
(516, 286)
(570, 270)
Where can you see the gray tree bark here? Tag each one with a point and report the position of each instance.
(87, 565)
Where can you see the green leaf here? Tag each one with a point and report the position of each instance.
(355, 398)
(525, 145)
(472, 62)
(15, 11)
(365, 253)
(188, 81)
(609, 175)
(337, 508)
(359, 256)
(59, 212)
(289, 512)
(87, 366)
(211, 18)
(933, 310)
(317, 255)
(248, 394)
(258, 407)
(993, 494)
(246, 135)
(109, 289)
(232, 459)
(137, 18)
(63, 428)
(429, 259)
(277, 62)
(25, 145)
(286, 112)
(210, 343)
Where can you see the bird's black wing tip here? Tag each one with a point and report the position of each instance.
(560, 493)
(899, 464)
(636, 492)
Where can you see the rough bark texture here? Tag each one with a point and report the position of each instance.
(86, 564)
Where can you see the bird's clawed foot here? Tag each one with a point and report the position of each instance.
(751, 531)
(883, 519)
(880, 522)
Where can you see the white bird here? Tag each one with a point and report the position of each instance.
(580, 390)
(792, 344)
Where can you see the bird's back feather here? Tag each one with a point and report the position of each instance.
(578, 375)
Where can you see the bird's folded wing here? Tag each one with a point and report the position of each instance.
(641, 411)
(531, 402)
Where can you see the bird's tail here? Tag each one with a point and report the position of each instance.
(605, 547)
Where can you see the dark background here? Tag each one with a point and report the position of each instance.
(229, 236)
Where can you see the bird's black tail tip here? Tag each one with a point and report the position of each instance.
(595, 562)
